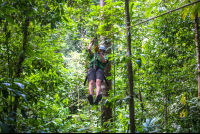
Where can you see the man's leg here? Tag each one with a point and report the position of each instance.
(90, 88)
(91, 91)
(98, 86)
(99, 78)
(98, 89)
(91, 79)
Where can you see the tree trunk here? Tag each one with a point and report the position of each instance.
(114, 82)
(7, 35)
(197, 49)
(106, 111)
(7, 46)
(20, 61)
(130, 71)
(165, 110)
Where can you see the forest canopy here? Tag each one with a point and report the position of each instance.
(153, 71)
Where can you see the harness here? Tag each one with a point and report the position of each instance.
(98, 65)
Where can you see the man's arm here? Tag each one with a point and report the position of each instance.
(90, 46)
(103, 60)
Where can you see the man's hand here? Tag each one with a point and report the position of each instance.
(100, 52)
(90, 46)
(103, 60)
(93, 40)
(96, 48)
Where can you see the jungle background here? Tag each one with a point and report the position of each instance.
(44, 60)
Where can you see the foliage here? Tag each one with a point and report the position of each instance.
(49, 95)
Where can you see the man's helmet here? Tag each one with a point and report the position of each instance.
(102, 48)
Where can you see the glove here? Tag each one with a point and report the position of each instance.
(96, 48)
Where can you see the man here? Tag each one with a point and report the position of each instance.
(96, 72)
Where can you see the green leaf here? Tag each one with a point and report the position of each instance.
(9, 19)
(58, 10)
(198, 104)
(195, 9)
(24, 96)
(52, 12)
(131, 11)
(30, 13)
(24, 114)
(7, 84)
(154, 120)
(109, 78)
(46, 7)
(182, 98)
(4, 4)
(53, 25)
(45, 88)
(127, 98)
(65, 19)
(19, 84)
(36, 101)
(143, 60)
(4, 127)
(5, 109)
(5, 93)
(138, 62)
(12, 91)
(62, 10)
(11, 114)
(56, 96)
(35, 9)
(186, 112)
(8, 34)
(10, 9)
(136, 78)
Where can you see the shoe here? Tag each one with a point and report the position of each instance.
(90, 98)
(98, 98)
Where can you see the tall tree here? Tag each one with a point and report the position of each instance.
(106, 110)
(198, 49)
(130, 71)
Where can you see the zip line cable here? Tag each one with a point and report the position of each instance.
(148, 19)
(155, 17)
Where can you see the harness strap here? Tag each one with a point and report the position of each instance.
(99, 64)
(94, 66)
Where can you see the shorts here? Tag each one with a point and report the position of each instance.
(93, 75)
